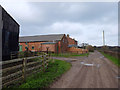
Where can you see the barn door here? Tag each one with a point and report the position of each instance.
(20, 48)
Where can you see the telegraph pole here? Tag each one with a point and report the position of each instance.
(103, 39)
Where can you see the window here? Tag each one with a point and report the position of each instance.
(32, 47)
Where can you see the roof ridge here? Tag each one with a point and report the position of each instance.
(50, 37)
(41, 35)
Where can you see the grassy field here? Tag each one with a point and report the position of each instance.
(67, 55)
(113, 59)
(43, 79)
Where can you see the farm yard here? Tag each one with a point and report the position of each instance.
(91, 70)
(59, 45)
(21, 72)
(94, 71)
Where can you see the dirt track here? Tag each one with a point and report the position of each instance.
(103, 73)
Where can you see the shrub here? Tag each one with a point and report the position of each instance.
(90, 48)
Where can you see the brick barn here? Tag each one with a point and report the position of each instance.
(71, 41)
(73, 46)
(56, 43)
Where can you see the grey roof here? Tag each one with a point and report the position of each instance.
(51, 37)
(49, 43)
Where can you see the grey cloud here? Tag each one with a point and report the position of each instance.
(80, 12)
(83, 21)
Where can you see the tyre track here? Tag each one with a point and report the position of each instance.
(82, 76)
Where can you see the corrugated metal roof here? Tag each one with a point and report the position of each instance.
(51, 37)
(49, 43)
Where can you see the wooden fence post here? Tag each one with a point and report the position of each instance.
(24, 68)
(43, 62)
(47, 59)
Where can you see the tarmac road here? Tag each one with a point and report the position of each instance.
(94, 71)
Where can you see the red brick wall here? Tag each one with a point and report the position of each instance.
(60, 46)
(71, 41)
(51, 47)
(77, 50)
(63, 45)
(37, 46)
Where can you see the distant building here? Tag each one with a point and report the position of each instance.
(71, 41)
(56, 43)
(9, 30)
(73, 46)
(83, 45)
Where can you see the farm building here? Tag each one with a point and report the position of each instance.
(56, 43)
(73, 46)
(74, 49)
(9, 30)
(71, 41)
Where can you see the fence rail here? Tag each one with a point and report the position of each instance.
(19, 69)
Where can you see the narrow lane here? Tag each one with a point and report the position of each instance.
(95, 71)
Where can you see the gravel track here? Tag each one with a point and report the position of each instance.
(103, 73)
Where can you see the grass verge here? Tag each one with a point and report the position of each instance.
(67, 55)
(43, 79)
(113, 59)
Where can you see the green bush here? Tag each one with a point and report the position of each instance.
(90, 48)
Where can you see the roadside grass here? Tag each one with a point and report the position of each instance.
(43, 79)
(113, 59)
(67, 55)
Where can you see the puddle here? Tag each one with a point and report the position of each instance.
(82, 62)
(86, 64)
(98, 65)
(89, 64)
(118, 77)
(102, 57)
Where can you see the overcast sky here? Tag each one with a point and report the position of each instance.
(82, 21)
